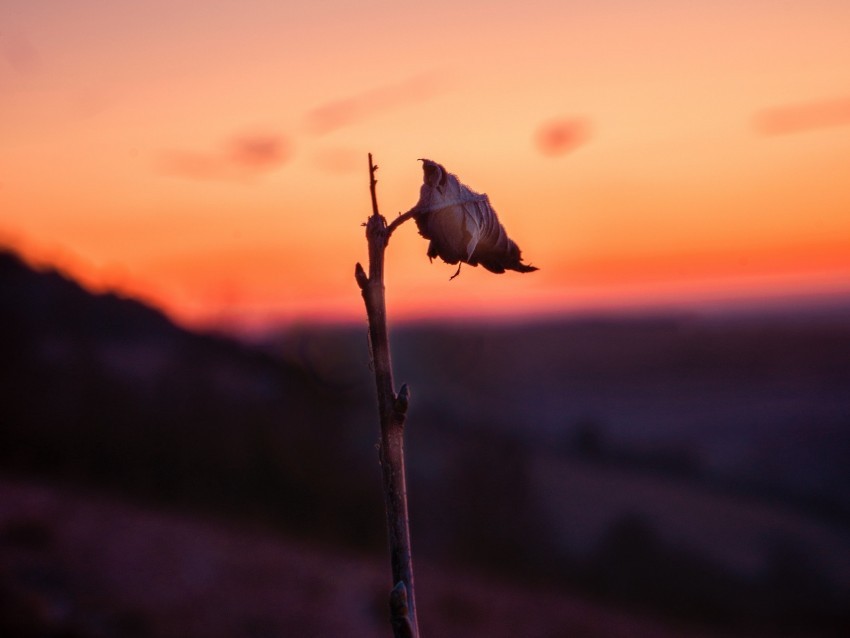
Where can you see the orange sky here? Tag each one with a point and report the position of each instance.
(211, 157)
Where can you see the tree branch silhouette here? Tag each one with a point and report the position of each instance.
(392, 409)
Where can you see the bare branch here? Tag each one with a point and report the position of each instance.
(392, 409)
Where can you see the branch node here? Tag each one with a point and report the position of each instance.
(399, 612)
(376, 230)
(360, 276)
(402, 400)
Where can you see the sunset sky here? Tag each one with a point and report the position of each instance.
(211, 157)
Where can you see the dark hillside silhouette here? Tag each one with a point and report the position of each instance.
(107, 391)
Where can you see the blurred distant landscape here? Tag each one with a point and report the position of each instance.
(677, 474)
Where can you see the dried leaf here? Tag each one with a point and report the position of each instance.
(462, 225)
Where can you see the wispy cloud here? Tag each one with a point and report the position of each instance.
(243, 157)
(258, 152)
(350, 110)
(797, 118)
(563, 135)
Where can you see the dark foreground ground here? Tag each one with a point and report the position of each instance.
(83, 565)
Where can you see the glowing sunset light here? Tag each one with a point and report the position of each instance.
(211, 158)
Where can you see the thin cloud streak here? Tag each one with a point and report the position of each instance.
(798, 118)
(347, 111)
(242, 158)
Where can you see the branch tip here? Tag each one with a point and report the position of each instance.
(372, 183)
